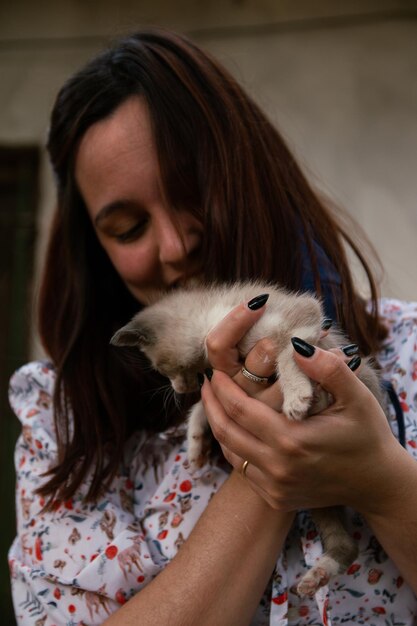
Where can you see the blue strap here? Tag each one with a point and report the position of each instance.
(387, 385)
(329, 277)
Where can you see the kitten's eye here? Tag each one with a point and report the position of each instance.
(132, 233)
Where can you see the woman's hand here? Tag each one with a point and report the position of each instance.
(343, 456)
(223, 355)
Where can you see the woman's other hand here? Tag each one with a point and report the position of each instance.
(343, 456)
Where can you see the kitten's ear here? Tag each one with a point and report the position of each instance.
(133, 334)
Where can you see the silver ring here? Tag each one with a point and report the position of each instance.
(244, 468)
(261, 380)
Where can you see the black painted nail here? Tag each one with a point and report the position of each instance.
(258, 302)
(208, 372)
(200, 379)
(327, 323)
(351, 349)
(354, 363)
(302, 347)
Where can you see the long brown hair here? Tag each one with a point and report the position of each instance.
(221, 159)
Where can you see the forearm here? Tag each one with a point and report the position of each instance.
(221, 571)
(395, 521)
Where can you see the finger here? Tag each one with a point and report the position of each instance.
(229, 433)
(257, 479)
(332, 373)
(271, 396)
(345, 356)
(253, 415)
(338, 352)
(252, 474)
(260, 361)
(245, 467)
(350, 350)
(234, 459)
(222, 340)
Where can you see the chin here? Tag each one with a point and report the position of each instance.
(148, 296)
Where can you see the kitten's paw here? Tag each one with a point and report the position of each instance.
(296, 408)
(196, 464)
(197, 452)
(298, 397)
(318, 576)
(312, 581)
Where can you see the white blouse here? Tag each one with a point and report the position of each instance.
(78, 564)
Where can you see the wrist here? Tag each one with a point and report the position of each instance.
(257, 505)
(391, 484)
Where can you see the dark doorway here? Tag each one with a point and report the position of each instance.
(19, 176)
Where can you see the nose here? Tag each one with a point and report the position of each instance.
(179, 238)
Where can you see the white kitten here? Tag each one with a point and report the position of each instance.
(172, 334)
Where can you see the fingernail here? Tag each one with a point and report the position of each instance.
(258, 302)
(208, 372)
(351, 349)
(302, 347)
(327, 323)
(354, 363)
(200, 379)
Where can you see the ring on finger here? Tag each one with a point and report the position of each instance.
(261, 380)
(244, 468)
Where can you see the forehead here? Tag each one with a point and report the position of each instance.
(114, 153)
(128, 125)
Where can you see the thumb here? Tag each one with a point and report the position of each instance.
(329, 370)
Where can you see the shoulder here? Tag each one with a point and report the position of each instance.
(30, 393)
(31, 389)
(400, 318)
(397, 311)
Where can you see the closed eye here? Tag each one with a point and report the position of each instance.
(122, 220)
(132, 233)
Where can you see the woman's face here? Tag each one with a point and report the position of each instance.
(117, 173)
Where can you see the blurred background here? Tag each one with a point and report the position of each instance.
(338, 77)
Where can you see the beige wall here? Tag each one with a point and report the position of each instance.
(338, 78)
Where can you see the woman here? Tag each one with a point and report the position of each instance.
(167, 172)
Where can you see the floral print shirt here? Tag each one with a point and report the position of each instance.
(80, 563)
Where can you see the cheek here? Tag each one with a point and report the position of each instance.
(134, 264)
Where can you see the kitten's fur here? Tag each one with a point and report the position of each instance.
(172, 333)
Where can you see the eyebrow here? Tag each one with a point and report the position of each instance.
(111, 208)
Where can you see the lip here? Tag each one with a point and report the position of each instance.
(153, 295)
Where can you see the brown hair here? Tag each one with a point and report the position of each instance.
(222, 160)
